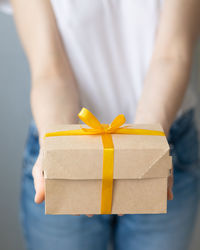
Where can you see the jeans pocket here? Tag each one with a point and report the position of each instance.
(184, 143)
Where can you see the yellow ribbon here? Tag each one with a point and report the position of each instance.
(105, 130)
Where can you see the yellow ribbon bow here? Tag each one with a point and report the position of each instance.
(105, 130)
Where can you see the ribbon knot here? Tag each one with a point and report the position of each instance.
(96, 127)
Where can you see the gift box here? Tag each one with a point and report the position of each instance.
(106, 169)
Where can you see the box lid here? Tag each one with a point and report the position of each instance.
(81, 157)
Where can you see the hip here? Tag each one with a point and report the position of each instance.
(183, 140)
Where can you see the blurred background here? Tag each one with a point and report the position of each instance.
(15, 116)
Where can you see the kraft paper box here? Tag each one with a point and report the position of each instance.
(72, 168)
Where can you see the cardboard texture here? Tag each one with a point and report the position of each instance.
(72, 168)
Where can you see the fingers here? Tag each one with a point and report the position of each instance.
(38, 182)
(170, 195)
(90, 215)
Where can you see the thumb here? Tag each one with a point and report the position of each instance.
(38, 183)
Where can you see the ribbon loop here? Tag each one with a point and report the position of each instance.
(88, 118)
(117, 123)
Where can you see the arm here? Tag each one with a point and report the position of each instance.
(54, 95)
(169, 71)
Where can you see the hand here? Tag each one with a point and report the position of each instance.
(38, 180)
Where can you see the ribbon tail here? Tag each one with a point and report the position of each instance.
(134, 131)
(107, 179)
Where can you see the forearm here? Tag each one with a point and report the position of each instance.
(170, 66)
(54, 94)
(54, 100)
(163, 92)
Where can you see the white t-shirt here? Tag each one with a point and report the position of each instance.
(109, 44)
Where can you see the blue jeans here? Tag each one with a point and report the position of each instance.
(130, 232)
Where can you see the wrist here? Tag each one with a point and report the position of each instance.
(150, 119)
(41, 138)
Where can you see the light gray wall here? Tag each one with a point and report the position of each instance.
(14, 120)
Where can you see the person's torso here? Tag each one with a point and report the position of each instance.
(109, 44)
